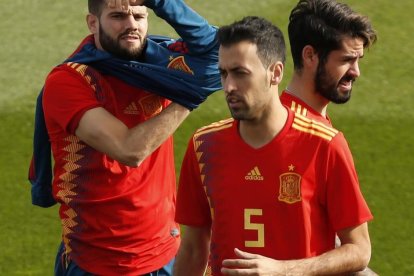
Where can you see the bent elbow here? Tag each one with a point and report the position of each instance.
(133, 161)
(129, 159)
(364, 257)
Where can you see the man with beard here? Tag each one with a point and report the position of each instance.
(114, 174)
(265, 193)
(327, 41)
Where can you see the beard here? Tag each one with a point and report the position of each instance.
(327, 86)
(113, 46)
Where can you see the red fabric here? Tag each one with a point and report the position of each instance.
(243, 191)
(299, 106)
(116, 220)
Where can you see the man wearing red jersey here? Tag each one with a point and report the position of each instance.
(326, 58)
(327, 41)
(114, 174)
(266, 192)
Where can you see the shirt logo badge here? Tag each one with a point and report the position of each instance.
(131, 109)
(151, 105)
(289, 186)
(254, 175)
(178, 63)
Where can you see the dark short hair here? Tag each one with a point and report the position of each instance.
(95, 7)
(323, 24)
(267, 37)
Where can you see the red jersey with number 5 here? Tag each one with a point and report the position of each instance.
(285, 200)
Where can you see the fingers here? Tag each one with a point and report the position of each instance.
(240, 263)
(235, 272)
(246, 255)
(124, 4)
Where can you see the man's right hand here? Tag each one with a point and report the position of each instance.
(123, 4)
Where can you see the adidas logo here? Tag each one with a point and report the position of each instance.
(254, 175)
(131, 109)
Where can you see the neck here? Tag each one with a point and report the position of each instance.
(303, 88)
(261, 130)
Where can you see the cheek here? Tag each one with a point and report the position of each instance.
(337, 72)
(143, 27)
(110, 29)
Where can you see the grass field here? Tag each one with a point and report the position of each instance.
(378, 122)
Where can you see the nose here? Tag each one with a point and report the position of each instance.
(355, 69)
(229, 84)
(131, 23)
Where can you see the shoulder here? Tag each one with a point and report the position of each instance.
(75, 72)
(214, 129)
(314, 128)
(71, 70)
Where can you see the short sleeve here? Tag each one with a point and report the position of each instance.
(345, 203)
(67, 96)
(192, 203)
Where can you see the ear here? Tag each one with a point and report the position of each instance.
(310, 57)
(276, 71)
(93, 23)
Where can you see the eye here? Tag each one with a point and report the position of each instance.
(117, 15)
(139, 17)
(240, 72)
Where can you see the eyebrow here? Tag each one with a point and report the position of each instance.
(122, 12)
(352, 56)
(235, 68)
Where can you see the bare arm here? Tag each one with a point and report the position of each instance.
(192, 257)
(105, 133)
(353, 255)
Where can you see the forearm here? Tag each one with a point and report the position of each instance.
(344, 259)
(199, 35)
(189, 263)
(105, 133)
(146, 137)
(192, 257)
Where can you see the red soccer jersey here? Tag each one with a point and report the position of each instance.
(116, 220)
(300, 107)
(285, 200)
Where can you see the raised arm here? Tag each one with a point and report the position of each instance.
(193, 254)
(195, 31)
(352, 256)
(198, 34)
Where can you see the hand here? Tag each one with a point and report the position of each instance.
(123, 4)
(366, 272)
(252, 264)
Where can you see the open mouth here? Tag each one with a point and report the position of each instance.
(346, 83)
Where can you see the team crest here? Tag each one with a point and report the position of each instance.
(289, 187)
(178, 63)
(151, 105)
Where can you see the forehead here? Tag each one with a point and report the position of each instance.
(241, 54)
(351, 46)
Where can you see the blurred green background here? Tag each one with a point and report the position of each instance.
(378, 122)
